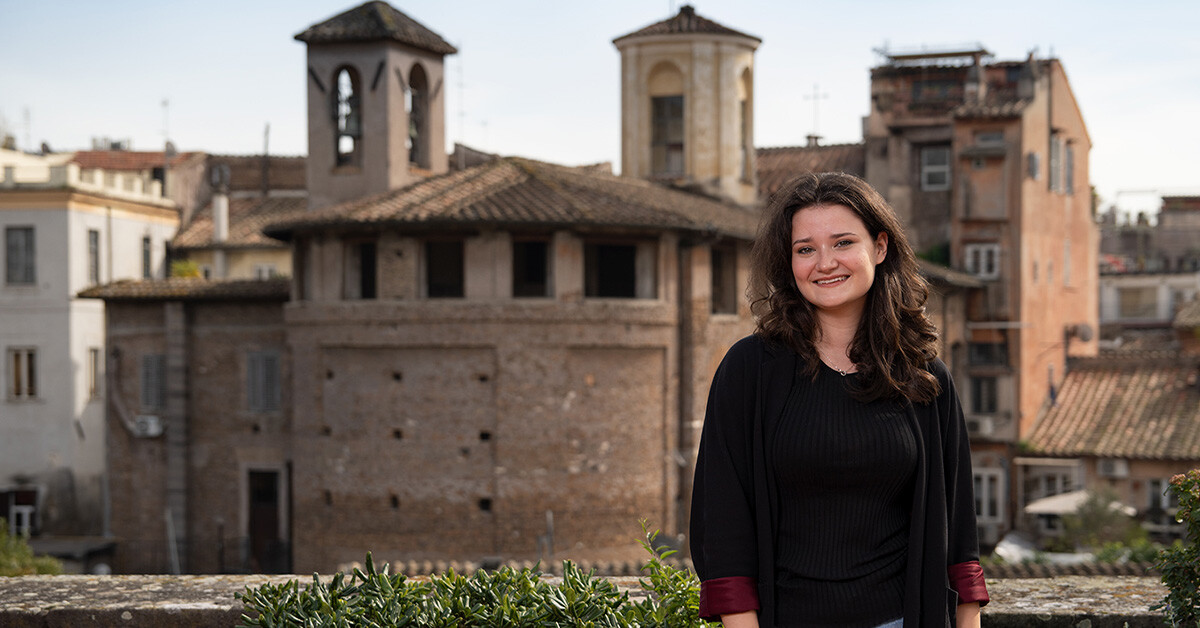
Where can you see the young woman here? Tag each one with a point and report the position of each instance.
(833, 485)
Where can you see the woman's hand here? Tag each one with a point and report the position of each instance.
(968, 615)
(748, 619)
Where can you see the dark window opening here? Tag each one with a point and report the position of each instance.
(19, 256)
(444, 276)
(987, 354)
(531, 268)
(416, 103)
(724, 280)
(666, 121)
(610, 270)
(366, 270)
(347, 113)
(147, 262)
(984, 399)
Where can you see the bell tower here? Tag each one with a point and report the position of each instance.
(687, 105)
(376, 103)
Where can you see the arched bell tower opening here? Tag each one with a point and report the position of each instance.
(376, 107)
(687, 105)
(347, 116)
(416, 103)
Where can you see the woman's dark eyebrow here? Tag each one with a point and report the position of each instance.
(836, 235)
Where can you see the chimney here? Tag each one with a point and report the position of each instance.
(220, 210)
(813, 140)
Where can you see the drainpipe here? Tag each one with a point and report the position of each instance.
(220, 210)
(177, 430)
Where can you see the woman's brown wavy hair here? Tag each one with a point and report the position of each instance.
(895, 340)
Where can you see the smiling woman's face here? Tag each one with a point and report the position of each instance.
(834, 258)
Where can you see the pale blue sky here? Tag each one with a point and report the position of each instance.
(539, 78)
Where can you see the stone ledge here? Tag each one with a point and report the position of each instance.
(208, 601)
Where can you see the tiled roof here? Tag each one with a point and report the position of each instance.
(125, 159)
(192, 289)
(512, 191)
(777, 166)
(374, 21)
(246, 171)
(1124, 409)
(247, 217)
(1003, 109)
(685, 22)
(1188, 317)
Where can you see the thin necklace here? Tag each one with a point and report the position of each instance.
(839, 371)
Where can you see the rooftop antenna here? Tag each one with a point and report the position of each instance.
(462, 116)
(166, 107)
(816, 97)
(28, 126)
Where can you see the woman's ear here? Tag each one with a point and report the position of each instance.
(881, 246)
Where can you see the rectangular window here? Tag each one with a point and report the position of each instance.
(444, 269)
(935, 168)
(264, 271)
(1067, 262)
(22, 373)
(154, 382)
(1069, 169)
(989, 138)
(984, 397)
(531, 268)
(1055, 163)
(360, 271)
(983, 260)
(987, 354)
(1163, 504)
(262, 381)
(610, 270)
(147, 262)
(93, 258)
(95, 370)
(666, 143)
(1137, 302)
(724, 280)
(989, 495)
(19, 256)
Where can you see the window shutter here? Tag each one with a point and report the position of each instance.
(153, 382)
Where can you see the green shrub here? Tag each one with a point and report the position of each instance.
(17, 559)
(185, 268)
(1096, 523)
(505, 597)
(1180, 563)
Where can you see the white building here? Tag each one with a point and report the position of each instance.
(64, 228)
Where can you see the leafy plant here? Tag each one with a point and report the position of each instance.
(1180, 563)
(185, 268)
(1097, 522)
(18, 559)
(505, 597)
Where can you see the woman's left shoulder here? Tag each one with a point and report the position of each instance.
(938, 369)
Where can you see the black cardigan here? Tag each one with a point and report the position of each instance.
(734, 496)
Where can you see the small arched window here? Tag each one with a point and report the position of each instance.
(416, 104)
(347, 117)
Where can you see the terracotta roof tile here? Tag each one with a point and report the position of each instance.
(779, 165)
(685, 22)
(125, 159)
(1188, 316)
(247, 217)
(1143, 409)
(514, 191)
(191, 289)
(374, 21)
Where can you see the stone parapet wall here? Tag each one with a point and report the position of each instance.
(204, 601)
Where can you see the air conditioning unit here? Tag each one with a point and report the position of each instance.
(980, 426)
(1112, 468)
(147, 426)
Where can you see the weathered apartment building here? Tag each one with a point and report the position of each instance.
(69, 222)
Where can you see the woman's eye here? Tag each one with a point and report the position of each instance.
(844, 243)
(804, 250)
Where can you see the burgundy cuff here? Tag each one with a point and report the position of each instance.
(967, 579)
(723, 596)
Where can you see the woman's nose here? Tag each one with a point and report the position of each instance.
(826, 259)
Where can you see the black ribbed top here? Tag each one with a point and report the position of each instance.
(844, 470)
